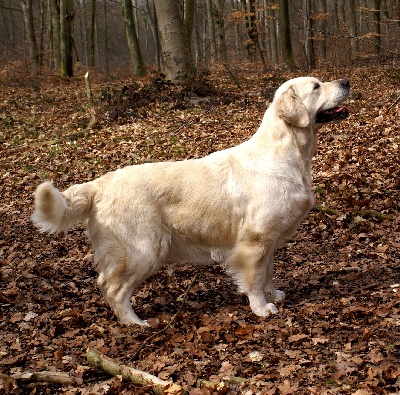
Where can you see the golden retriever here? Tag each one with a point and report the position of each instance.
(235, 206)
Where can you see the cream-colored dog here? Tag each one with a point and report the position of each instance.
(235, 206)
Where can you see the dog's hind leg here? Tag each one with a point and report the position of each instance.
(122, 271)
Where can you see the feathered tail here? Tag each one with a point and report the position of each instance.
(57, 212)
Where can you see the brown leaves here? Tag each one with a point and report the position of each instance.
(337, 332)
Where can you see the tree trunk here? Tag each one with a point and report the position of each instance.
(273, 34)
(377, 26)
(42, 30)
(174, 41)
(131, 36)
(323, 29)
(66, 42)
(92, 31)
(105, 37)
(211, 29)
(351, 12)
(30, 31)
(308, 37)
(151, 14)
(219, 16)
(286, 39)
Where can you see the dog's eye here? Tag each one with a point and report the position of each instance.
(316, 86)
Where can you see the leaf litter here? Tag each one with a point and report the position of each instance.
(336, 333)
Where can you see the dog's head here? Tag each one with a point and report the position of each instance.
(306, 101)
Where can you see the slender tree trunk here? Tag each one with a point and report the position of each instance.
(286, 38)
(273, 34)
(151, 13)
(377, 25)
(92, 32)
(219, 16)
(30, 31)
(42, 30)
(105, 37)
(56, 32)
(174, 41)
(309, 39)
(197, 55)
(238, 46)
(66, 42)
(323, 29)
(131, 36)
(355, 48)
(211, 29)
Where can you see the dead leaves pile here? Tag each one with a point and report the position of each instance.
(338, 329)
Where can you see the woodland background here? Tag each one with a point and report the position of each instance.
(110, 35)
(337, 332)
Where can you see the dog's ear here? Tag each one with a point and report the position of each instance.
(292, 110)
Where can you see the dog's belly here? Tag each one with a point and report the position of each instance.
(183, 251)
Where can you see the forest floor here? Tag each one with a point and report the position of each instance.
(337, 332)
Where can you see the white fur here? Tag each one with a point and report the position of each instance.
(236, 205)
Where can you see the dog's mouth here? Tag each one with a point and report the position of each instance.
(333, 114)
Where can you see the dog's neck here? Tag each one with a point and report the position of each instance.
(285, 139)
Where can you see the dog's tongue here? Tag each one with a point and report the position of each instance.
(340, 109)
(331, 114)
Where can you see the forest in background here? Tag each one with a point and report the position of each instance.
(128, 35)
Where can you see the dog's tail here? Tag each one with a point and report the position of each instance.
(57, 212)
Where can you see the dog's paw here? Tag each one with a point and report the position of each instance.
(265, 311)
(275, 296)
(132, 319)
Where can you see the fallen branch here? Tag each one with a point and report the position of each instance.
(48, 377)
(365, 288)
(171, 321)
(160, 387)
(393, 104)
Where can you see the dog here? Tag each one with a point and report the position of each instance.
(234, 206)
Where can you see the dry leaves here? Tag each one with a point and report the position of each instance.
(338, 330)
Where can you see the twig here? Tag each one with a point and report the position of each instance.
(393, 104)
(171, 321)
(364, 288)
(48, 377)
(99, 361)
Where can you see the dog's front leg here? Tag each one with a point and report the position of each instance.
(252, 260)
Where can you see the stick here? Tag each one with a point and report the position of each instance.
(48, 377)
(100, 361)
(93, 119)
(171, 321)
(393, 104)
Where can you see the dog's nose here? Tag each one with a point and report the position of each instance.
(345, 83)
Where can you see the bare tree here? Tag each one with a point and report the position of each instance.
(92, 32)
(131, 36)
(308, 34)
(151, 15)
(66, 42)
(286, 38)
(211, 29)
(55, 31)
(30, 31)
(174, 41)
